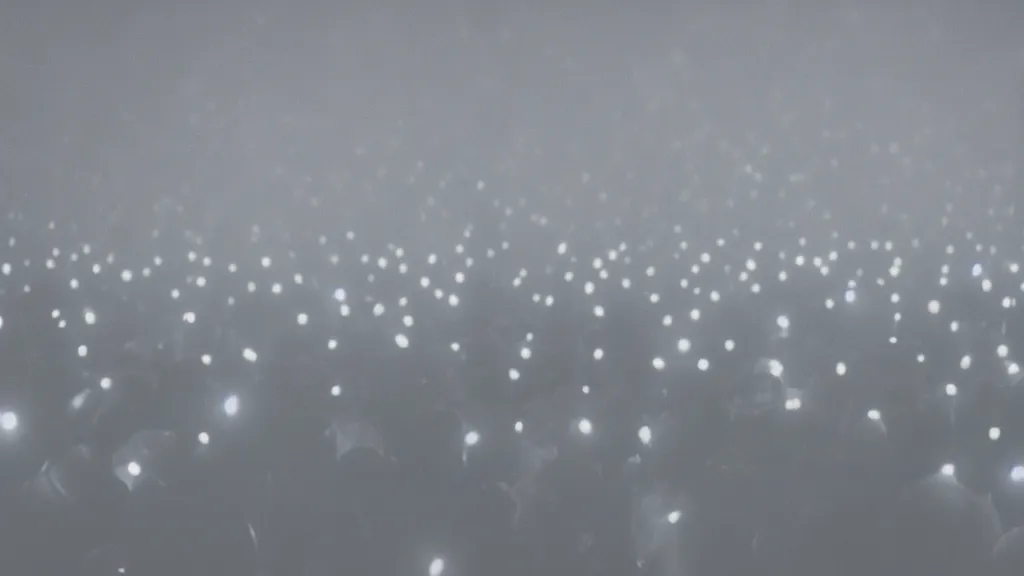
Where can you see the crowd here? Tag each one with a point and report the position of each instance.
(718, 318)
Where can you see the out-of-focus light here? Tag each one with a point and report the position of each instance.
(472, 438)
(106, 383)
(674, 516)
(951, 390)
(8, 421)
(874, 415)
(994, 433)
(948, 470)
(644, 433)
(436, 567)
(519, 427)
(841, 368)
(585, 427)
(1017, 474)
(336, 390)
(204, 438)
(793, 404)
(134, 469)
(231, 405)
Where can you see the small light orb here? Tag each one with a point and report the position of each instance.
(472, 438)
(775, 368)
(402, 340)
(204, 438)
(644, 433)
(302, 319)
(206, 359)
(874, 415)
(231, 405)
(1002, 351)
(934, 307)
(250, 355)
(683, 345)
(948, 470)
(89, 316)
(703, 364)
(598, 353)
(513, 374)
(658, 363)
(1013, 369)
(841, 368)
(1017, 474)
(106, 383)
(793, 404)
(730, 345)
(83, 351)
(519, 427)
(585, 427)
(8, 421)
(674, 516)
(951, 390)
(994, 433)
(336, 390)
(525, 353)
(436, 567)
(965, 362)
(134, 469)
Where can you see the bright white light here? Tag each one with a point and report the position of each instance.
(644, 433)
(775, 368)
(336, 390)
(472, 438)
(89, 316)
(658, 363)
(934, 307)
(947, 470)
(585, 427)
(683, 346)
(730, 345)
(106, 383)
(436, 567)
(965, 362)
(519, 427)
(204, 438)
(703, 365)
(598, 353)
(841, 368)
(1002, 351)
(994, 433)
(250, 355)
(8, 421)
(83, 351)
(793, 404)
(513, 374)
(302, 319)
(951, 390)
(674, 516)
(134, 469)
(782, 322)
(874, 415)
(850, 296)
(231, 405)
(1017, 474)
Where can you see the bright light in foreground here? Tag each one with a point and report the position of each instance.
(231, 405)
(947, 470)
(644, 433)
(436, 567)
(585, 427)
(874, 415)
(1017, 474)
(472, 438)
(951, 390)
(994, 433)
(674, 516)
(134, 469)
(9, 421)
(204, 438)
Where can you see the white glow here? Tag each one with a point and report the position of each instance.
(994, 433)
(1017, 474)
(934, 307)
(951, 390)
(106, 383)
(598, 353)
(585, 427)
(841, 368)
(644, 433)
(402, 340)
(965, 362)
(336, 390)
(250, 355)
(674, 516)
(658, 363)
(204, 438)
(519, 427)
(1002, 351)
(436, 567)
(8, 421)
(231, 405)
(683, 346)
(775, 368)
(513, 374)
(703, 365)
(948, 470)
(874, 415)
(472, 438)
(793, 404)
